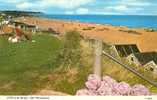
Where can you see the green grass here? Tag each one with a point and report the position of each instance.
(61, 79)
(21, 64)
(27, 67)
(72, 78)
(119, 73)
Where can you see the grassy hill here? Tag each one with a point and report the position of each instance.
(28, 67)
(21, 64)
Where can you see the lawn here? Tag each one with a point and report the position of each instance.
(21, 64)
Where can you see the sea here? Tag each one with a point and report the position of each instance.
(132, 21)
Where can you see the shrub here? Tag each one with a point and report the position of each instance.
(70, 53)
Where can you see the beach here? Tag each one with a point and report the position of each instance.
(145, 39)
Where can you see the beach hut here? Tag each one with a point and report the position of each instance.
(132, 59)
(151, 66)
(123, 50)
(148, 59)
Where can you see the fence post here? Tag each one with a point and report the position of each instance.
(98, 53)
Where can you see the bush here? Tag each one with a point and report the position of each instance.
(70, 54)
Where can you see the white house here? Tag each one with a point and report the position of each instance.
(147, 60)
(151, 66)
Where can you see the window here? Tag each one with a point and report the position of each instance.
(151, 69)
(132, 58)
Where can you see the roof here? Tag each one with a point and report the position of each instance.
(21, 23)
(125, 50)
(144, 58)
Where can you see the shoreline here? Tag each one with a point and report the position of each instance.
(145, 40)
(88, 22)
(77, 21)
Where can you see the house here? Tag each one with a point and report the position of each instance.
(132, 59)
(151, 66)
(143, 58)
(148, 59)
(32, 28)
(24, 26)
(123, 50)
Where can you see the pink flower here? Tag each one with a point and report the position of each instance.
(93, 82)
(109, 86)
(104, 89)
(138, 90)
(110, 81)
(123, 88)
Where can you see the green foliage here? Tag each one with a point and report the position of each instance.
(70, 53)
(0, 18)
(111, 68)
(69, 81)
(20, 13)
(22, 65)
(28, 67)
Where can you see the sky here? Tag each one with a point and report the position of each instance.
(105, 7)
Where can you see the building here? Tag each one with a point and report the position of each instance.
(147, 60)
(123, 50)
(143, 58)
(151, 66)
(24, 26)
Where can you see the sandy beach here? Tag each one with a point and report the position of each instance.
(144, 39)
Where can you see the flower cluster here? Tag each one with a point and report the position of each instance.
(108, 86)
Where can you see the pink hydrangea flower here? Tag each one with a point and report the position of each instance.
(138, 90)
(122, 88)
(110, 81)
(104, 89)
(108, 86)
(93, 82)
